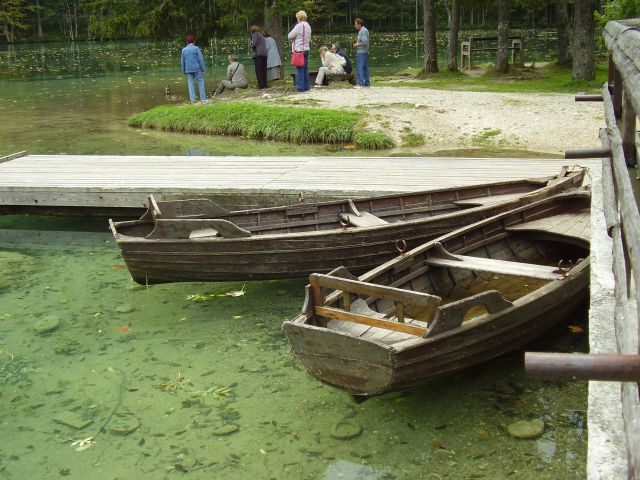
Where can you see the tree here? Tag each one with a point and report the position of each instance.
(430, 46)
(502, 59)
(584, 46)
(12, 15)
(564, 34)
(453, 35)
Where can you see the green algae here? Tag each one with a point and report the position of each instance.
(240, 377)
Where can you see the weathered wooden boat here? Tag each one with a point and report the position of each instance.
(451, 303)
(197, 240)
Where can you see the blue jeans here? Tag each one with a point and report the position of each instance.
(362, 69)
(196, 76)
(302, 75)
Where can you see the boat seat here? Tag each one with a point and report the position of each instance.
(364, 219)
(440, 257)
(481, 201)
(452, 315)
(203, 233)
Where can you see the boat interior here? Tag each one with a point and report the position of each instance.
(436, 289)
(202, 218)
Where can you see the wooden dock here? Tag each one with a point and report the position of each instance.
(109, 184)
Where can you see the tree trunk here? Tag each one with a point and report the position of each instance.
(273, 24)
(453, 35)
(39, 20)
(584, 26)
(564, 34)
(502, 59)
(430, 46)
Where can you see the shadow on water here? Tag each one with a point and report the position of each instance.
(184, 378)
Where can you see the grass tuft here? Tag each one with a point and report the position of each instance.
(373, 140)
(286, 124)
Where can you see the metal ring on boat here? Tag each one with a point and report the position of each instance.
(401, 246)
(344, 222)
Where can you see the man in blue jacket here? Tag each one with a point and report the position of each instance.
(193, 67)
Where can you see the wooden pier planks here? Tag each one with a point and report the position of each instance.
(125, 181)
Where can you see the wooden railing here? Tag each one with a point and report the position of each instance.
(621, 97)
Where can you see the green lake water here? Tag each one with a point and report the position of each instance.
(186, 371)
(210, 389)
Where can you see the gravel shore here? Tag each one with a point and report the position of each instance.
(547, 123)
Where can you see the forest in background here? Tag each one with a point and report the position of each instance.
(51, 20)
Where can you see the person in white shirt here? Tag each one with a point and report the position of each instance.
(299, 37)
(332, 64)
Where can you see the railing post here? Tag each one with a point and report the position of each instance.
(628, 132)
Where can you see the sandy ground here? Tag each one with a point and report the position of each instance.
(459, 119)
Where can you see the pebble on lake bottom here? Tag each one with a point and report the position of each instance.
(346, 430)
(226, 429)
(47, 324)
(526, 428)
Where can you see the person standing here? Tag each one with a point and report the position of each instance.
(236, 77)
(362, 54)
(259, 52)
(299, 37)
(193, 67)
(273, 58)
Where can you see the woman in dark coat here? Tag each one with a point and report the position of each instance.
(259, 53)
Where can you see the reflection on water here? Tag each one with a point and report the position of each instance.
(76, 98)
(165, 385)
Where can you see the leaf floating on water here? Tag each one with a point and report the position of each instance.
(237, 317)
(575, 329)
(97, 314)
(484, 433)
(236, 293)
(119, 267)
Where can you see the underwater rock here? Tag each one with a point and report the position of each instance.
(73, 420)
(526, 428)
(15, 267)
(123, 424)
(346, 430)
(126, 308)
(348, 470)
(226, 429)
(46, 324)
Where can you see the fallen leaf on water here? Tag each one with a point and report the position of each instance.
(484, 433)
(124, 329)
(575, 329)
(237, 317)
(236, 293)
(119, 267)
(96, 314)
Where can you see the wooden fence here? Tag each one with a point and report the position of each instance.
(621, 97)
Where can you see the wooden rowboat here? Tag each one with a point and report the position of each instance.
(451, 303)
(197, 240)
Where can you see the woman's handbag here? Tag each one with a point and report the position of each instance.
(297, 58)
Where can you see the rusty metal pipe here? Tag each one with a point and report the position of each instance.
(578, 153)
(568, 366)
(585, 97)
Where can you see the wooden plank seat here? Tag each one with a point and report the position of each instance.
(440, 257)
(208, 228)
(347, 287)
(569, 224)
(480, 201)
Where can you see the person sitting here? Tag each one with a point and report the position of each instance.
(335, 48)
(332, 64)
(236, 77)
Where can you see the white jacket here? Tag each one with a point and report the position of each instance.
(333, 62)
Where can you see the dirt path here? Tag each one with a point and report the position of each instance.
(459, 119)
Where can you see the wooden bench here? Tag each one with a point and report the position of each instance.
(442, 258)
(342, 77)
(472, 45)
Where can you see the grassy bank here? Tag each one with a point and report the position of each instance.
(251, 120)
(544, 79)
